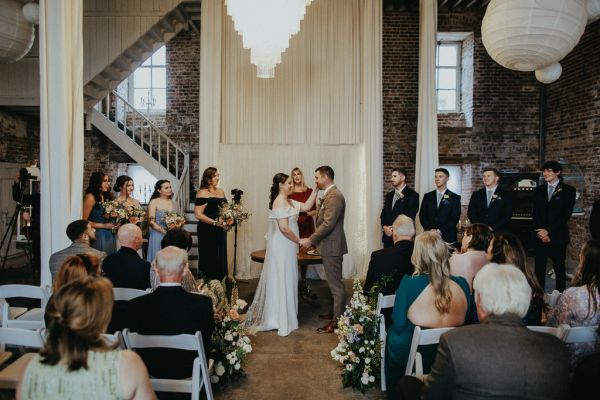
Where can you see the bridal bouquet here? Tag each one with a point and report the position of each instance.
(229, 338)
(359, 348)
(173, 220)
(233, 213)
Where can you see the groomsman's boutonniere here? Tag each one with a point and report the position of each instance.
(321, 200)
(495, 197)
(401, 195)
(446, 197)
(558, 190)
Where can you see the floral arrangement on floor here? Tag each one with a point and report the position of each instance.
(359, 348)
(233, 213)
(229, 338)
(173, 220)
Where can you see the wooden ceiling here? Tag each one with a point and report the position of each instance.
(442, 4)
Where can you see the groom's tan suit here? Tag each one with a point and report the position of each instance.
(330, 239)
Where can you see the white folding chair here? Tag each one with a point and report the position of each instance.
(559, 331)
(200, 373)
(126, 294)
(114, 338)
(551, 298)
(31, 319)
(421, 337)
(9, 376)
(383, 302)
(582, 334)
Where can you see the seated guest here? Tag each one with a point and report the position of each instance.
(81, 233)
(170, 310)
(125, 268)
(473, 255)
(583, 385)
(499, 358)
(506, 248)
(429, 298)
(579, 305)
(393, 262)
(183, 239)
(75, 361)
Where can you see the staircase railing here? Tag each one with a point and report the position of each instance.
(170, 157)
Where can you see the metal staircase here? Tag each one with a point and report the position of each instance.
(143, 141)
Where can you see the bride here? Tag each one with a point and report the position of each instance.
(275, 304)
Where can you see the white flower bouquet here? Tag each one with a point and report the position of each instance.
(173, 220)
(233, 213)
(229, 338)
(359, 348)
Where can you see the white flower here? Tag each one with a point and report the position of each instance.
(241, 303)
(367, 360)
(246, 339)
(372, 352)
(232, 361)
(349, 367)
(361, 350)
(220, 369)
(236, 366)
(247, 348)
(228, 337)
(214, 379)
(371, 378)
(364, 379)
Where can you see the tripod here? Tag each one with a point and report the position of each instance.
(10, 231)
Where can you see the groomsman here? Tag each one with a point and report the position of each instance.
(401, 200)
(553, 204)
(440, 208)
(491, 205)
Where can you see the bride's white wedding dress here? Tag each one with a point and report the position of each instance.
(275, 304)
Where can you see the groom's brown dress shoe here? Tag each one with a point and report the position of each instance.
(328, 316)
(329, 328)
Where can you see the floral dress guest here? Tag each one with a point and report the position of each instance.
(98, 190)
(212, 230)
(160, 203)
(306, 224)
(579, 305)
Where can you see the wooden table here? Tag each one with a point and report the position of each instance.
(303, 258)
(9, 376)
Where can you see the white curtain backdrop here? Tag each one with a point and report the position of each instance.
(61, 123)
(322, 107)
(427, 129)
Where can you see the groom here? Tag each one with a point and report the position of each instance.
(330, 239)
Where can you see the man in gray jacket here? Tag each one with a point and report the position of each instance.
(81, 234)
(499, 358)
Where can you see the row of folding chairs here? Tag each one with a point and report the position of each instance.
(199, 381)
(423, 337)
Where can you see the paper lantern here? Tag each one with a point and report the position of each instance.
(31, 12)
(16, 34)
(526, 35)
(549, 74)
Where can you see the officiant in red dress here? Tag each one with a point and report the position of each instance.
(306, 224)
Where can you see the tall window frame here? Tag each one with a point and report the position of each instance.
(448, 59)
(148, 84)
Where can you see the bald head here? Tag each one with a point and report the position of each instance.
(169, 263)
(130, 235)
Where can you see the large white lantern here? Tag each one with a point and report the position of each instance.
(527, 35)
(16, 34)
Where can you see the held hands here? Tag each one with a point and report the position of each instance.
(305, 243)
(543, 235)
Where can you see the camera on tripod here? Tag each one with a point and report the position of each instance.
(237, 195)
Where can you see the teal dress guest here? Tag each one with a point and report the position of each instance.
(98, 190)
(105, 238)
(399, 336)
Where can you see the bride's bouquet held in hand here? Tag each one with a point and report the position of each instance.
(173, 220)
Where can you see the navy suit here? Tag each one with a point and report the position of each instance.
(497, 215)
(552, 216)
(445, 217)
(407, 205)
(126, 269)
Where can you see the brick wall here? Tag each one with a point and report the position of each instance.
(573, 123)
(19, 138)
(101, 154)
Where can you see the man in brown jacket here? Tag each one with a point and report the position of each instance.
(330, 240)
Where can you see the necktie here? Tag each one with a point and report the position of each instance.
(550, 191)
(396, 198)
(439, 198)
(489, 197)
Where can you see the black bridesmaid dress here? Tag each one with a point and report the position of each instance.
(212, 241)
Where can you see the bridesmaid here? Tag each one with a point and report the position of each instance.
(306, 225)
(212, 231)
(98, 190)
(124, 186)
(160, 203)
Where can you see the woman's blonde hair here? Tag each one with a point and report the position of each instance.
(78, 314)
(431, 257)
(302, 183)
(76, 267)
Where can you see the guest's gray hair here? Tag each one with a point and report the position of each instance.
(502, 288)
(171, 260)
(127, 233)
(404, 226)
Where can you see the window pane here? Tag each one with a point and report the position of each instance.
(160, 99)
(148, 62)
(140, 97)
(158, 58)
(159, 78)
(447, 55)
(446, 78)
(446, 100)
(141, 78)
